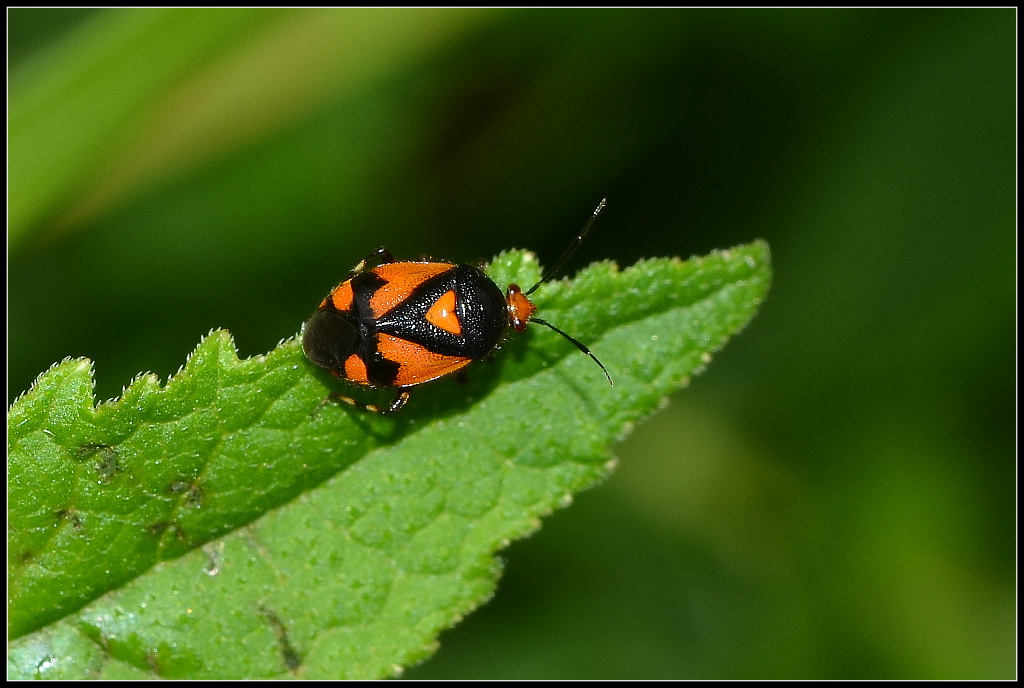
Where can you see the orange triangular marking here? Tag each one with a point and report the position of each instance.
(442, 314)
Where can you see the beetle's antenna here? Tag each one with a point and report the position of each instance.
(573, 339)
(565, 256)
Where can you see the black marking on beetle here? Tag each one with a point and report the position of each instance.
(380, 371)
(476, 298)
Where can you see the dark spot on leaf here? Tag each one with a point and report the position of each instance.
(212, 567)
(69, 515)
(288, 654)
(107, 465)
(87, 450)
(191, 489)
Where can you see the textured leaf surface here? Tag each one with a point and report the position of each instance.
(217, 527)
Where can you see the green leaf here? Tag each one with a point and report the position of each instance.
(136, 95)
(222, 527)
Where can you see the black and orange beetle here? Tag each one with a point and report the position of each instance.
(400, 324)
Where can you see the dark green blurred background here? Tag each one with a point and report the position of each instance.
(833, 498)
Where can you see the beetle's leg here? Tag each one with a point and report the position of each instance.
(343, 399)
(378, 256)
(396, 404)
(326, 400)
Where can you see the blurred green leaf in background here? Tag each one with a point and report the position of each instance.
(835, 498)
